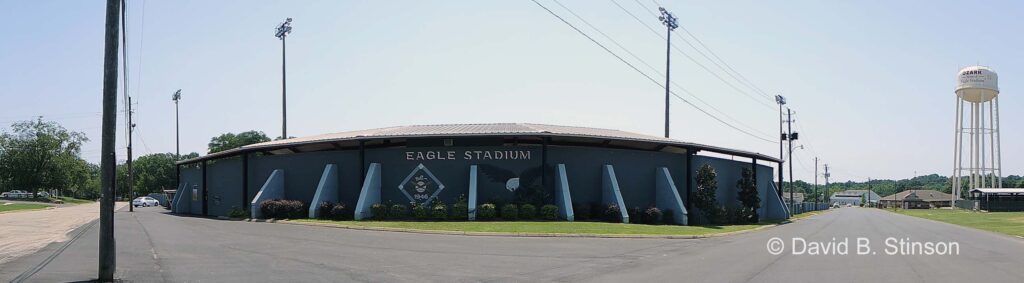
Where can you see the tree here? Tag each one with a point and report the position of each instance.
(36, 154)
(154, 173)
(704, 197)
(230, 141)
(747, 195)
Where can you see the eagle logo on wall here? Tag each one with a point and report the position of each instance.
(512, 181)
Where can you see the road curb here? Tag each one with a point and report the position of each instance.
(515, 234)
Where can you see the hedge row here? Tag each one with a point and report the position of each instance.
(283, 209)
(460, 211)
(611, 213)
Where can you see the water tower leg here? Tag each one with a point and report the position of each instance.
(998, 139)
(974, 144)
(992, 142)
(958, 143)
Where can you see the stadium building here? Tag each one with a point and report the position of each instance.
(558, 165)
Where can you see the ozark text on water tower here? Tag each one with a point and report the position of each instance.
(977, 122)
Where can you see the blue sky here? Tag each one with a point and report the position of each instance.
(871, 81)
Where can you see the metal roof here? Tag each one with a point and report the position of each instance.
(479, 130)
(924, 195)
(999, 190)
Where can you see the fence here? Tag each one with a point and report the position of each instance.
(798, 208)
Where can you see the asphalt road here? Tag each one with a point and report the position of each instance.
(154, 246)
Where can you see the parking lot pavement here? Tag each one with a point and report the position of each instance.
(156, 246)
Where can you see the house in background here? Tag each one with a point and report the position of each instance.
(917, 199)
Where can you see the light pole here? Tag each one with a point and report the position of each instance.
(282, 31)
(177, 139)
(670, 24)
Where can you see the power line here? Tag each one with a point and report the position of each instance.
(742, 79)
(142, 37)
(720, 78)
(644, 74)
(655, 70)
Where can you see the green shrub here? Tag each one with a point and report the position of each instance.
(460, 211)
(549, 212)
(421, 212)
(270, 208)
(581, 211)
(398, 211)
(668, 217)
(283, 209)
(295, 209)
(486, 211)
(440, 212)
(527, 212)
(379, 210)
(718, 215)
(652, 215)
(704, 198)
(340, 212)
(325, 210)
(236, 212)
(612, 213)
(509, 212)
(634, 215)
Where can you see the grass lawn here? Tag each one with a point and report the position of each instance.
(555, 227)
(1010, 223)
(7, 207)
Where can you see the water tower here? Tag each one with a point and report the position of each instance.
(977, 122)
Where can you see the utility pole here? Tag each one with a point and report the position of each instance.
(131, 173)
(107, 253)
(815, 183)
(282, 31)
(827, 175)
(782, 138)
(869, 193)
(791, 137)
(670, 24)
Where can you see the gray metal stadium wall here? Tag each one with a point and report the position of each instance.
(417, 174)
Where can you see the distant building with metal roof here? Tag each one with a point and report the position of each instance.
(854, 197)
(917, 199)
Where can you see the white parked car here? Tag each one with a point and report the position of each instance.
(16, 194)
(145, 201)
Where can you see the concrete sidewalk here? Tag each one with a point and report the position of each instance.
(26, 232)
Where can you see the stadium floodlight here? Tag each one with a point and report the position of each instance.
(284, 29)
(780, 100)
(668, 19)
